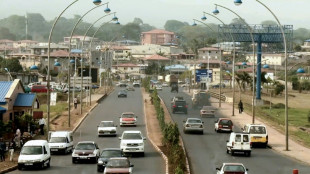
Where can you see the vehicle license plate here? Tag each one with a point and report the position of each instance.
(28, 164)
(83, 157)
(225, 126)
(180, 106)
(107, 133)
(54, 149)
(132, 149)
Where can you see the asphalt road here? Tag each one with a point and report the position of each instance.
(208, 151)
(109, 109)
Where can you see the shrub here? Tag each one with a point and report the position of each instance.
(279, 106)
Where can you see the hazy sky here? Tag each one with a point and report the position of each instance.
(157, 12)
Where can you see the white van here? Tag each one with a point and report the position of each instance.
(35, 153)
(239, 142)
(60, 141)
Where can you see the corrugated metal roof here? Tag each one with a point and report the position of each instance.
(24, 99)
(4, 88)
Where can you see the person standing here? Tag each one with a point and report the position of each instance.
(42, 124)
(2, 149)
(75, 101)
(240, 106)
(17, 138)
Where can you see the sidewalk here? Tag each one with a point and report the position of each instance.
(276, 139)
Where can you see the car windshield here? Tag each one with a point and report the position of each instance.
(58, 140)
(106, 124)
(257, 130)
(85, 146)
(233, 168)
(132, 136)
(193, 121)
(128, 115)
(111, 153)
(31, 150)
(118, 163)
(226, 122)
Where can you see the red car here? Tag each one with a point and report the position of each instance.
(223, 124)
(39, 88)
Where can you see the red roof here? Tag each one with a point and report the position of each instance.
(158, 31)
(156, 57)
(126, 65)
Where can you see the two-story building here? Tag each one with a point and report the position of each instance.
(270, 59)
(209, 53)
(127, 68)
(121, 53)
(158, 37)
(14, 101)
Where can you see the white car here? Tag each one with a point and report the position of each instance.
(107, 128)
(232, 168)
(239, 142)
(132, 142)
(159, 87)
(128, 119)
(193, 125)
(165, 84)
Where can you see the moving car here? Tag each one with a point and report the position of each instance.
(60, 141)
(122, 93)
(233, 168)
(87, 151)
(132, 142)
(207, 111)
(223, 125)
(158, 87)
(35, 153)
(136, 84)
(258, 134)
(128, 119)
(193, 125)
(39, 88)
(122, 84)
(239, 142)
(118, 166)
(165, 84)
(179, 106)
(105, 155)
(130, 88)
(107, 128)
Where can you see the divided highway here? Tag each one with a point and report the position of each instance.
(208, 151)
(109, 109)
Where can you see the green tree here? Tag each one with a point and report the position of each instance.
(13, 65)
(132, 31)
(5, 33)
(237, 21)
(174, 25)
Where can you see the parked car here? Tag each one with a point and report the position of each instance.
(258, 134)
(118, 165)
(122, 84)
(128, 119)
(87, 151)
(193, 125)
(239, 142)
(34, 154)
(179, 106)
(233, 168)
(122, 93)
(107, 128)
(39, 88)
(105, 155)
(165, 84)
(75, 89)
(223, 125)
(218, 86)
(158, 87)
(136, 84)
(132, 142)
(207, 111)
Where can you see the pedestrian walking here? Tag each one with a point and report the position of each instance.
(75, 101)
(2, 149)
(42, 124)
(240, 106)
(17, 138)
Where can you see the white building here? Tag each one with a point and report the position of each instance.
(209, 52)
(121, 53)
(141, 51)
(270, 59)
(126, 68)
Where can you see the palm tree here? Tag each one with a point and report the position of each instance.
(243, 79)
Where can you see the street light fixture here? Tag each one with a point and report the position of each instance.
(6, 69)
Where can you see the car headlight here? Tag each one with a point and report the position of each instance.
(74, 154)
(140, 144)
(100, 162)
(123, 144)
(92, 154)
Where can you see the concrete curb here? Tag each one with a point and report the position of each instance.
(86, 114)
(155, 146)
(182, 144)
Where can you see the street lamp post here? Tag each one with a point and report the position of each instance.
(234, 56)
(96, 2)
(285, 65)
(6, 69)
(253, 48)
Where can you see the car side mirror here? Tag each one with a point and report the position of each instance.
(131, 165)
(217, 168)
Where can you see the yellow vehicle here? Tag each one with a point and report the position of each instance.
(258, 133)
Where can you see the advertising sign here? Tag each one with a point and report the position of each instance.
(202, 75)
(53, 98)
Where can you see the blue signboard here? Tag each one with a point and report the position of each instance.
(202, 74)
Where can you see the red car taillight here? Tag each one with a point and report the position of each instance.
(220, 126)
(233, 143)
(185, 106)
(174, 106)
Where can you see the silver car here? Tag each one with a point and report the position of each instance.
(193, 125)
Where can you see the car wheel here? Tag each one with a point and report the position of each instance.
(73, 161)
(232, 153)
(184, 131)
(266, 145)
(42, 165)
(142, 154)
(99, 169)
(49, 163)
(20, 167)
(201, 132)
(227, 151)
(249, 154)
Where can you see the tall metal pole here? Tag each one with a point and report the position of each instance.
(48, 66)
(285, 65)
(253, 66)
(69, 107)
(234, 56)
